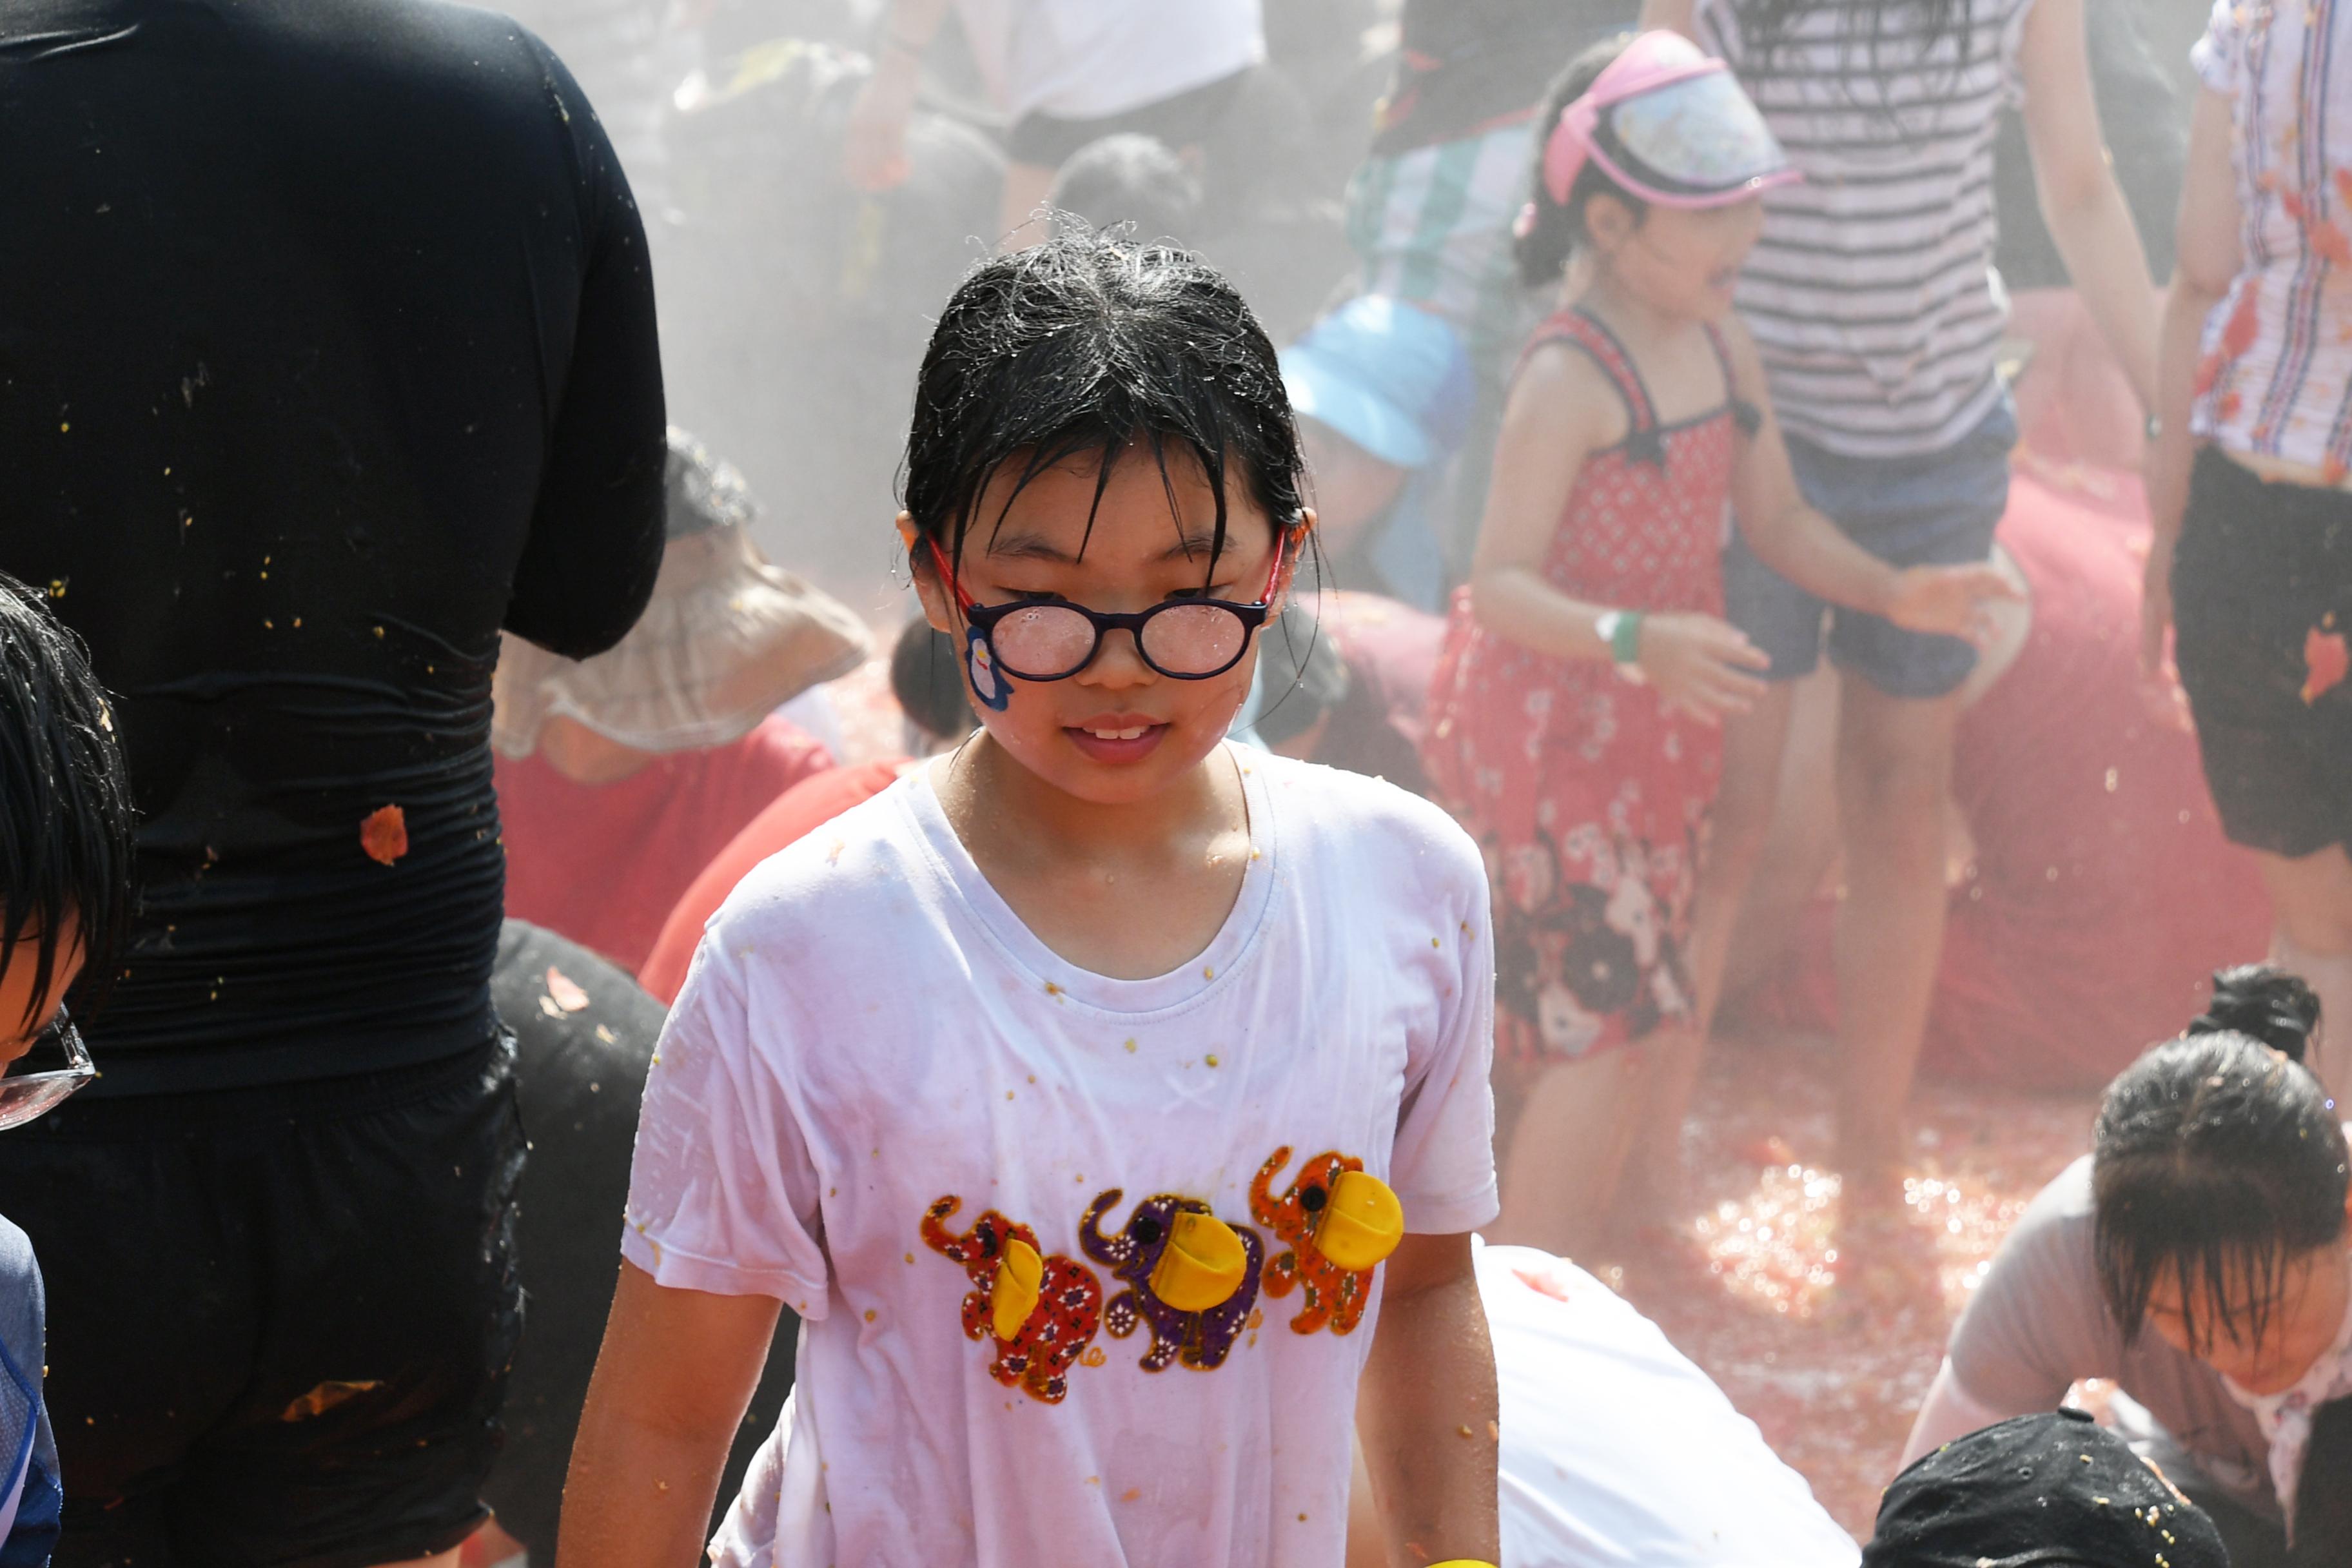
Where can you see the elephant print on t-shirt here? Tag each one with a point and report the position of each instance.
(1338, 1223)
(1041, 1312)
(1188, 1274)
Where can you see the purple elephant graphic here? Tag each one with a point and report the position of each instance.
(1201, 1339)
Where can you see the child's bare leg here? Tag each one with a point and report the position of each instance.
(1895, 761)
(1567, 1152)
(2312, 898)
(1737, 832)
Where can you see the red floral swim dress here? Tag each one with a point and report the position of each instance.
(1590, 799)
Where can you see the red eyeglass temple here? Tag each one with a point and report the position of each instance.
(964, 600)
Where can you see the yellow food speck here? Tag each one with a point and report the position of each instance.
(1213, 1061)
(869, 1314)
(1435, 942)
(1207, 972)
(1130, 1047)
(379, 631)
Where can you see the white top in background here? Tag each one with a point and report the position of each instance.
(1088, 59)
(2276, 374)
(1617, 1450)
(868, 1029)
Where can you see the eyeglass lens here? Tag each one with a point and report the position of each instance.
(1048, 641)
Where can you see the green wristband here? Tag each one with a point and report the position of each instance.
(1625, 639)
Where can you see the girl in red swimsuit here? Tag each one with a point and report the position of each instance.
(1588, 664)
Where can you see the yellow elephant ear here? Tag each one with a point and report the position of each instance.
(1204, 1264)
(1015, 1295)
(1362, 1223)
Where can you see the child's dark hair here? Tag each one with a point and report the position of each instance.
(1079, 347)
(1542, 251)
(2219, 1155)
(66, 817)
(927, 677)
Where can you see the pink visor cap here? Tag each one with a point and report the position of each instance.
(1672, 126)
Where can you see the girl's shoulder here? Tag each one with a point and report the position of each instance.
(1349, 823)
(824, 878)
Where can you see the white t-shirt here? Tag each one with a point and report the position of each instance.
(868, 1030)
(1616, 1449)
(1089, 59)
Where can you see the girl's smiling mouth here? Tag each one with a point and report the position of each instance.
(1117, 737)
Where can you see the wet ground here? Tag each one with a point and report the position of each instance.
(1827, 1335)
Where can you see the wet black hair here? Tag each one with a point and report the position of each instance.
(927, 677)
(2219, 1155)
(65, 816)
(1542, 252)
(1133, 180)
(1078, 347)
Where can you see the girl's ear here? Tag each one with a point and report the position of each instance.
(1610, 222)
(1293, 542)
(937, 606)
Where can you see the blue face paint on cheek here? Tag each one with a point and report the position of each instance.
(988, 685)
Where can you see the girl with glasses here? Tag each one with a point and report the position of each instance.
(1109, 1103)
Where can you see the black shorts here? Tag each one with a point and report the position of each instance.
(279, 1317)
(1047, 141)
(2261, 596)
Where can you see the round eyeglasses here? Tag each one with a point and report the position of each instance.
(1050, 639)
(33, 1085)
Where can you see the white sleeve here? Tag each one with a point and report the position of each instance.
(722, 1194)
(1443, 1165)
(2218, 57)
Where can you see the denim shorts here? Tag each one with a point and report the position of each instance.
(1935, 509)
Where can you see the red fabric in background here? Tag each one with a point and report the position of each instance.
(603, 864)
(2103, 892)
(790, 816)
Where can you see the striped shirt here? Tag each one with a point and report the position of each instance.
(2276, 377)
(1872, 294)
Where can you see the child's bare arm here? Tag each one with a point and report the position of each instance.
(1813, 553)
(1559, 413)
(675, 1373)
(1427, 1411)
(1562, 409)
(2081, 203)
(2209, 255)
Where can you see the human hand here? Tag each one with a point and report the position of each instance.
(1954, 601)
(1699, 665)
(873, 156)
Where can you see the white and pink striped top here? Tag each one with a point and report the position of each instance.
(2276, 380)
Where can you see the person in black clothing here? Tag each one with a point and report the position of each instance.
(331, 352)
(584, 1031)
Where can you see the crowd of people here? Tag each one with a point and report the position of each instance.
(1381, 480)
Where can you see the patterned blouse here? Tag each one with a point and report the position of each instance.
(2276, 379)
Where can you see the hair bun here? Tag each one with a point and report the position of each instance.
(2268, 1003)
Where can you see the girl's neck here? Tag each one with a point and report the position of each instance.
(1630, 316)
(990, 798)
